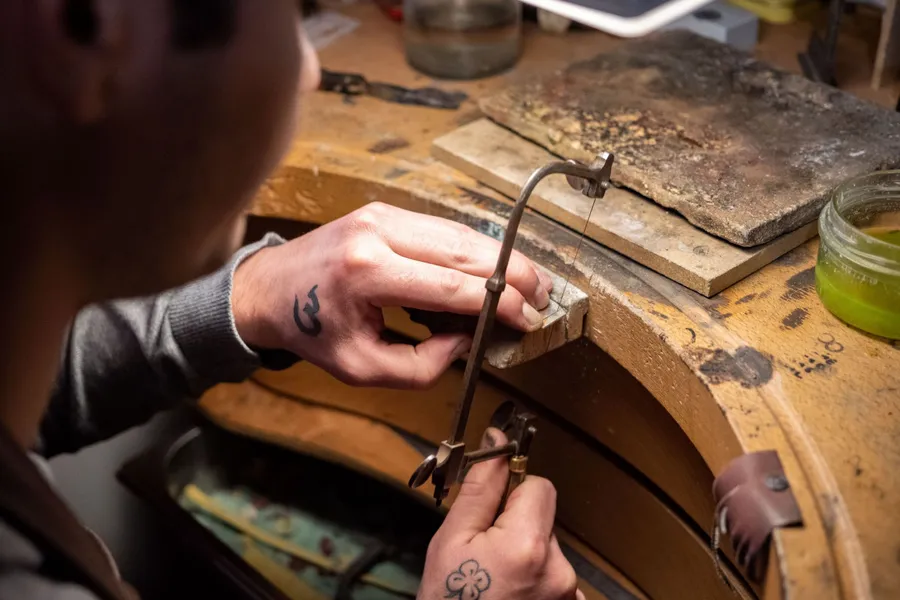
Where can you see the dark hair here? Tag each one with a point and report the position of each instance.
(79, 21)
(196, 24)
(202, 24)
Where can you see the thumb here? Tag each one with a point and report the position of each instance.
(416, 367)
(479, 497)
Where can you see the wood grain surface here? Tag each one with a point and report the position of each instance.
(248, 409)
(597, 501)
(733, 371)
(622, 220)
(887, 57)
(742, 150)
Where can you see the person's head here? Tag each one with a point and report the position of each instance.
(134, 133)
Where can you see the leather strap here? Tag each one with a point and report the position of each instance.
(30, 505)
(753, 498)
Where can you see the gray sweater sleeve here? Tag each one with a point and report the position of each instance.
(123, 361)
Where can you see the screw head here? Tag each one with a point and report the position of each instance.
(777, 483)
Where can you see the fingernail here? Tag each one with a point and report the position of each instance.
(463, 347)
(487, 440)
(545, 280)
(541, 295)
(532, 317)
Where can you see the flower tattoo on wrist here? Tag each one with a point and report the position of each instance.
(468, 582)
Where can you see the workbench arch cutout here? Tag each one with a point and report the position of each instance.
(726, 394)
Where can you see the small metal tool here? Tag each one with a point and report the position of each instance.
(354, 84)
(451, 461)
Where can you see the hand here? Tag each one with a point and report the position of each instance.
(472, 557)
(320, 296)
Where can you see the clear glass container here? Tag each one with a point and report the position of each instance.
(858, 268)
(462, 39)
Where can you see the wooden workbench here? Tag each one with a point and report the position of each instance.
(760, 366)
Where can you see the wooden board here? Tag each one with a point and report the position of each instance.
(616, 586)
(742, 150)
(350, 440)
(887, 57)
(624, 221)
(687, 351)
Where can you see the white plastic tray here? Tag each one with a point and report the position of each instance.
(623, 26)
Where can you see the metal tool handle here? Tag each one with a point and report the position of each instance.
(445, 467)
(592, 182)
(518, 467)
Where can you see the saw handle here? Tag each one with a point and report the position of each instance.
(518, 467)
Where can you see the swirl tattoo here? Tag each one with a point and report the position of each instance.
(311, 308)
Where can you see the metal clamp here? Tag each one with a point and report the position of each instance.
(451, 460)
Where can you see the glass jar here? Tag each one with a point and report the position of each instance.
(858, 268)
(462, 39)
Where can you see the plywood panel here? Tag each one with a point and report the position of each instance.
(624, 221)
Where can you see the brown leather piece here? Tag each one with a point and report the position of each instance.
(754, 497)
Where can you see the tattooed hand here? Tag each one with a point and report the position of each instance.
(474, 557)
(320, 296)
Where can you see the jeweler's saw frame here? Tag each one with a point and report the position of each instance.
(451, 461)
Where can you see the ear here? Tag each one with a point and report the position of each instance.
(76, 49)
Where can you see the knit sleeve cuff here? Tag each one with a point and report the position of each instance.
(202, 324)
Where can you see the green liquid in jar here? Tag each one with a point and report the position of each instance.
(885, 234)
(864, 300)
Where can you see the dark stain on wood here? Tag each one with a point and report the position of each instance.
(795, 318)
(388, 144)
(716, 301)
(811, 363)
(741, 149)
(656, 313)
(745, 299)
(482, 200)
(693, 336)
(715, 305)
(747, 366)
(829, 514)
(801, 285)
(396, 173)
